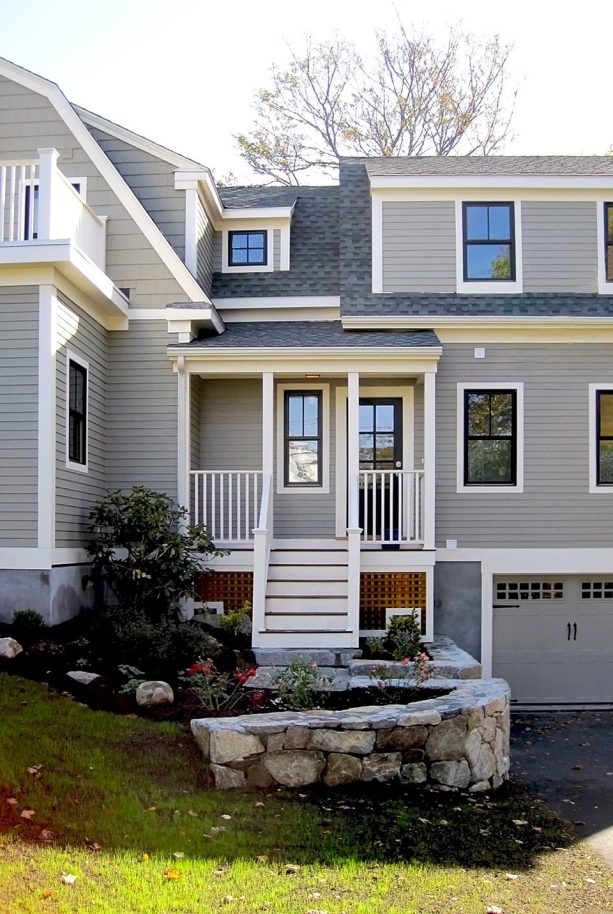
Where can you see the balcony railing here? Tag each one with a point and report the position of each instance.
(227, 502)
(38, 203)
(391, 507)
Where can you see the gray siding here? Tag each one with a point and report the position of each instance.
(28, 121)
(195, 421)
(76, 491)
(204, 250)
(231, 425)
(419, 246)
(555, 509)
(18, 417)
(153, 182)
(141, 409)
(217, 258)
(560, 251)
(276, 249)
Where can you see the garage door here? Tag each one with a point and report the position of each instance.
(553, 638)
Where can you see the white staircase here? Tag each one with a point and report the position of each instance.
(306, 598)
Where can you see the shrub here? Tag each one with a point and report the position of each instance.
(299, 683)
(403, 636)
(233, 621)
(28, 626)
(213, 690)
(132, 677)
(145, 553)
(419, 669)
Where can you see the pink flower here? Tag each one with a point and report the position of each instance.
(405, 661)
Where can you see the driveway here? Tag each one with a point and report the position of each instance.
(567, 759)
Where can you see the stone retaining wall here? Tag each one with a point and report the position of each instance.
(458, 740)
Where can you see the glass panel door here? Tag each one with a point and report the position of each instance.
(380, 430)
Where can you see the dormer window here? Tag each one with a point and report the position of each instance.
(247, 249)
(489, 242)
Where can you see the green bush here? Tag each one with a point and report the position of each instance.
(28, 626)
(145, 553)
(403, 636)
(298, 684)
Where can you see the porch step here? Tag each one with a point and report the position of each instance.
(299, 587)
(296, 603)
(302, 557)
(306, 638)
(275, 657)
(286, 622)
(307, 572)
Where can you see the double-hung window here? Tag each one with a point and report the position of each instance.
(490, 437)
(303, 438)
(489, 242)
(608, 241)
(604, 437)
(77, 414)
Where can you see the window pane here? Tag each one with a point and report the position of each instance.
(385, 417)
(367, 417)
(478, 414)
(502, 414)
(239, 256)
(303, 462)
(500, 222)
(239, 241)
(385, 448)
(311, 417)
(296, 426)
(610, 222)
(605, 465)
(476, 223)
(610, 262)
(256, 256)
(367, 449)
(606, 414)
(488, 261)
(490, 462)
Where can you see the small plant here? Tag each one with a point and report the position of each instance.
(28, 625)
(418, 670)
(216, 691)
(233, 621)
(299, 683)
(375, 646)
(403, 636)
(133, 678)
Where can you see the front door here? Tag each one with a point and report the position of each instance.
(380, 454)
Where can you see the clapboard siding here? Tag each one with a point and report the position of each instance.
(18, 416)
(419, 246)
(560, 251)
(204, 249)
(141, 409)
(194, 427)
(231, 425)
(276, 247)
(76, 491)
(28, 122)
(555, 509)
(217, 252)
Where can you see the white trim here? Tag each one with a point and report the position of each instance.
(605, 286)
(191, 230)
(47, 336)
(72, 356)
(258, 212)
(517, 386)
(476, 322)
(556, 182)
(268, 423)
(500, 287)
(429, 433)
(284, 249)
(594, 488)
(183, 435)
(280, 302)
(407, 395)
(324, 488)
(267, 267)
(40, 558)
(377, 244)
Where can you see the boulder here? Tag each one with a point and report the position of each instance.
(484, 766)
(447, 741)
(357, 742)
(414, 773)
(227, 778)
(9, 648)
(229, 745)
(451, 774)
(275, 742)
(295, 768)
(342, 769)
(381, 766)
(257, 776)
(154, 692)
(82, 678)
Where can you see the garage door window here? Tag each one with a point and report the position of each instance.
(529, 590)
(597, 590)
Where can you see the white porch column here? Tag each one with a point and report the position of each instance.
(429, 458)
(183, 435)
(47, 203)
(267, 422)
(353, 528)
(262, 535)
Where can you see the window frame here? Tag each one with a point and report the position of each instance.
(595, 486)
(608, 243)
(466, 205)
(488, 286)
(323, 391)
(248, 233)
(462, 417)
(287, 438)
(83, 366)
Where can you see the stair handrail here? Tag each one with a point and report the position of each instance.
(262, 544)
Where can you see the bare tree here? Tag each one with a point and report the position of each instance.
(414, 97)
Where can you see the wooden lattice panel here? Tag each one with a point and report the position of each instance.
(232, 588)
(381, 590)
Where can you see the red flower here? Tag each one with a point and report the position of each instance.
(200, 668)
(257, 699)
(243, 675)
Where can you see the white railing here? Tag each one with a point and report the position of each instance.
(392, 506)
(261, 558)
(227, 502)
(38, 203)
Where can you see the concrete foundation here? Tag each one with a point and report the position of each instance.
(57, 593)
(457, 604)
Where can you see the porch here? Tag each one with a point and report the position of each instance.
(315, 477)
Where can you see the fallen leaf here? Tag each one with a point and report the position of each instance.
(424, 821)
(259, 803)
(34, 770)
(494, 909)
(227, 899)
(46, 893)
(178, 855)
(68, 879)
(226, 816)
(291, 869)
(190, 812)
(93, 845)
(216, 829)
(591, 881)
(145, 856)
(27, 813)
(262, 858)
(511, 877)
(47, 835)
(172, 874)
(519, 822)
(11, 801)
(151, 809)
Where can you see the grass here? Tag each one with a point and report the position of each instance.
(127, 805)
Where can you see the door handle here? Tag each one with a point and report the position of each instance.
(568, 627)
(575, 631)
(398, 464)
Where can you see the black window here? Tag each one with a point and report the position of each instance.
(248, 249)
(490, 441)
(604, 437)
(302, 438)
(77, 413)
(608, 237)
(489, 242)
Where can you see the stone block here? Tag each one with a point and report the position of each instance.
(295, 768)
(472, 747)
(381, 766)
(402, 738)
(447, 741)
(451, 773)
(484, 765)
(356, 742)
(414, 773)
(297, 737)
(495, 705)
(258, 776)
(479, 787)
(342, 769)
(9, 648)
(488, 729)
(83, 678)
(275, 742)
(475, 718)
(419, 719)
(229, 745)
(227, 778)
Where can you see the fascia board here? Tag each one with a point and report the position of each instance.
(424, 182)
(305, 353)
(412, 322)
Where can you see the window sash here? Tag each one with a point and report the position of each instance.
(316, 439)
(507, 241)
(489, 440)
(606, 440)
(608, 241)
(77, 413)
(260, 249)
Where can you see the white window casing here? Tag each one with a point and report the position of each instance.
(324, 488)
(518, 387)
(71, 464)
(595, 489)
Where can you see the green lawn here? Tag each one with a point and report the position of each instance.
(123, 805)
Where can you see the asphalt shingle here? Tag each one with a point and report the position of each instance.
(444, 166)
(310, 334)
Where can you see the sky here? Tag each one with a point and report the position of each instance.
(183, 72)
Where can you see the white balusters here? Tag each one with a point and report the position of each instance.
(391, 506)
(227, 502)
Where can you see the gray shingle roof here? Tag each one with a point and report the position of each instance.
(526, 305)
(440, 166)
(310, 334)
(258, 196)
(314, 243)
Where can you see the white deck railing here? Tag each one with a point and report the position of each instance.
(262, 546)
(392, 506)
(38, 203)
(227, 502)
